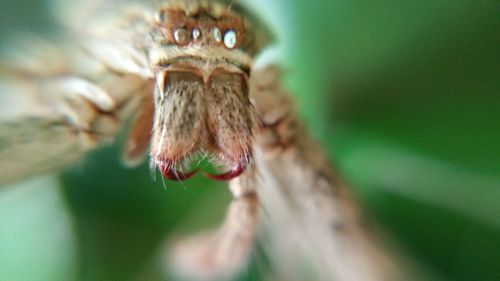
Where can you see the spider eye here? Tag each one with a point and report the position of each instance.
(182, 36)
(196, 33)
(230, 39)
(216, 34)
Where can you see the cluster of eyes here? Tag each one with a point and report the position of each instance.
(182, 36)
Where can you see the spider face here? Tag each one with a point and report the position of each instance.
(202, 58)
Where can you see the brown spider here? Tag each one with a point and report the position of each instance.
(184, 70)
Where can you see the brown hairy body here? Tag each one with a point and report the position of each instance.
(184, 70)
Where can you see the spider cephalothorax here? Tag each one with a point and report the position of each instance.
(201, 59)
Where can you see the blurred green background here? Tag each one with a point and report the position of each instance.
(405, 96)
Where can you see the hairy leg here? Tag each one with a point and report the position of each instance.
(221, 254)
(312, 217)
(51, 114)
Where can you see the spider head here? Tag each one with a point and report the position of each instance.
(202, 58)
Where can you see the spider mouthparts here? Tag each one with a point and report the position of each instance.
(234, 172)
(169, 172)
(168, 169)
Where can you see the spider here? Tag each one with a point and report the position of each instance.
(185, 72)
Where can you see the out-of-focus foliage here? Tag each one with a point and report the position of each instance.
(404, 95)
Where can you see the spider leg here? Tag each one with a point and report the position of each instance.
(52, 114)
(308, 201)
(222, 253)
